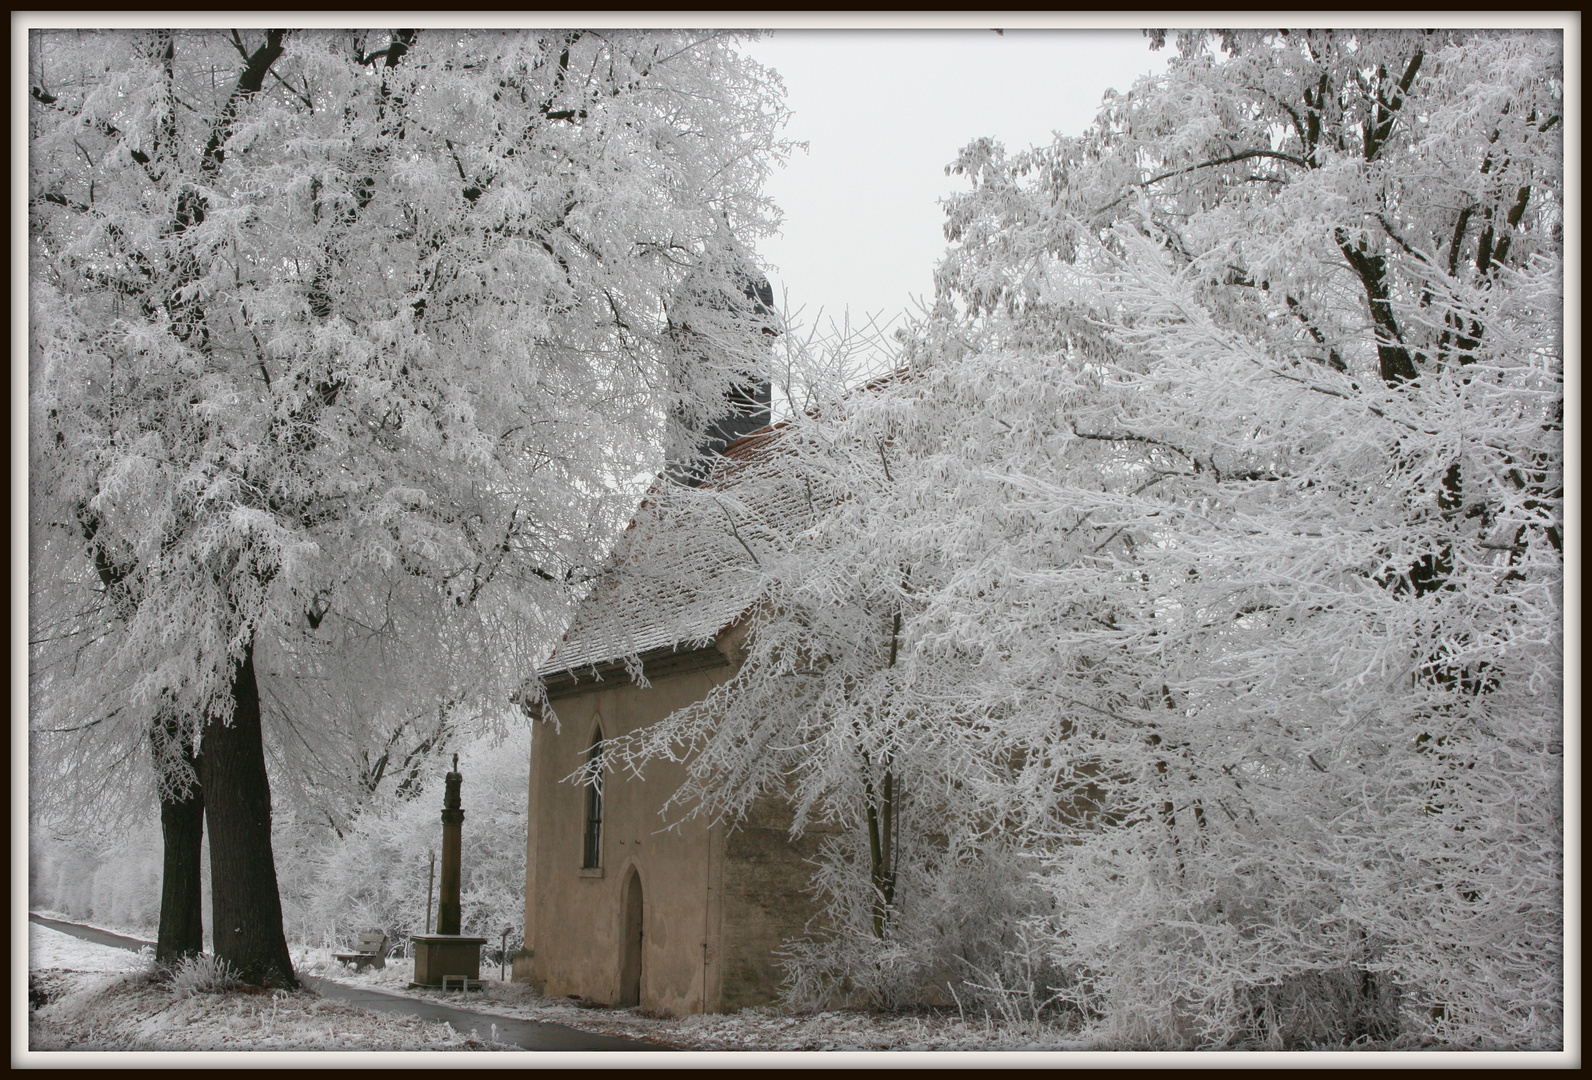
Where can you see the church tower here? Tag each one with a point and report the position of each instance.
(722, 323)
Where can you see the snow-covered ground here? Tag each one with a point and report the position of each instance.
(95, 997)
(750, 1029)
(49, 949)
(85, 996)
(143, 933)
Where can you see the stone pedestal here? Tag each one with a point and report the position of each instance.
(448, 953)
(452, 955)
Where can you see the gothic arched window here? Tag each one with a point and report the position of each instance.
(591, 850)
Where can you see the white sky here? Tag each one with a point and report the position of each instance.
(883, 112)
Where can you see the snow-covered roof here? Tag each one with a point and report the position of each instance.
(686, 568)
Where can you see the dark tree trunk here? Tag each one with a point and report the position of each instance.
(245, 907)
(182, 824)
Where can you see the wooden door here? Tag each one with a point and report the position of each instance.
(630, 949)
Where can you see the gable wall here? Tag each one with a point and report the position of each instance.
(741, 891)
(573, 916)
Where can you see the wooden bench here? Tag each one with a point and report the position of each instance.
(371, 951)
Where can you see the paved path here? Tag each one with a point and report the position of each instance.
(88, 933)
(530, 1034)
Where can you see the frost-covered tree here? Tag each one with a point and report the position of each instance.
(1202, 575)
(375, 874)
(316, 312)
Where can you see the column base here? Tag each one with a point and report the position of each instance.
(452, 955)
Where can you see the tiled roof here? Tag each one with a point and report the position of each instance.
(686, 568)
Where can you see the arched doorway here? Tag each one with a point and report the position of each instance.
(630, 943)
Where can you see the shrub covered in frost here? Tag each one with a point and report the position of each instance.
(203, 974)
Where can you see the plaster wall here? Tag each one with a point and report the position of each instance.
(574, 915)
(717, 902)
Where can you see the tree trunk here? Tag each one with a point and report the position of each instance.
(245, 907)
(182, 824)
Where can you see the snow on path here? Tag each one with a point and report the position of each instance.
(756, 1029)
(562, 1022)
(69, 977)
(52, 949)
(137, 933)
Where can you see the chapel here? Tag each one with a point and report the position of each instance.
(620, 907)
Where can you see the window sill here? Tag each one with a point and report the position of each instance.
(591, 871)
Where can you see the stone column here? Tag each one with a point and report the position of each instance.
(448, 955)
(452, 823)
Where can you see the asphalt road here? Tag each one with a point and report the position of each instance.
(529, 1034)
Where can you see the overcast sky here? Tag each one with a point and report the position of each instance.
(883, 112)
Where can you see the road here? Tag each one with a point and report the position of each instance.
(528, 1034)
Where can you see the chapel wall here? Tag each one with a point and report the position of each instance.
(767, 901)
(574, 916)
